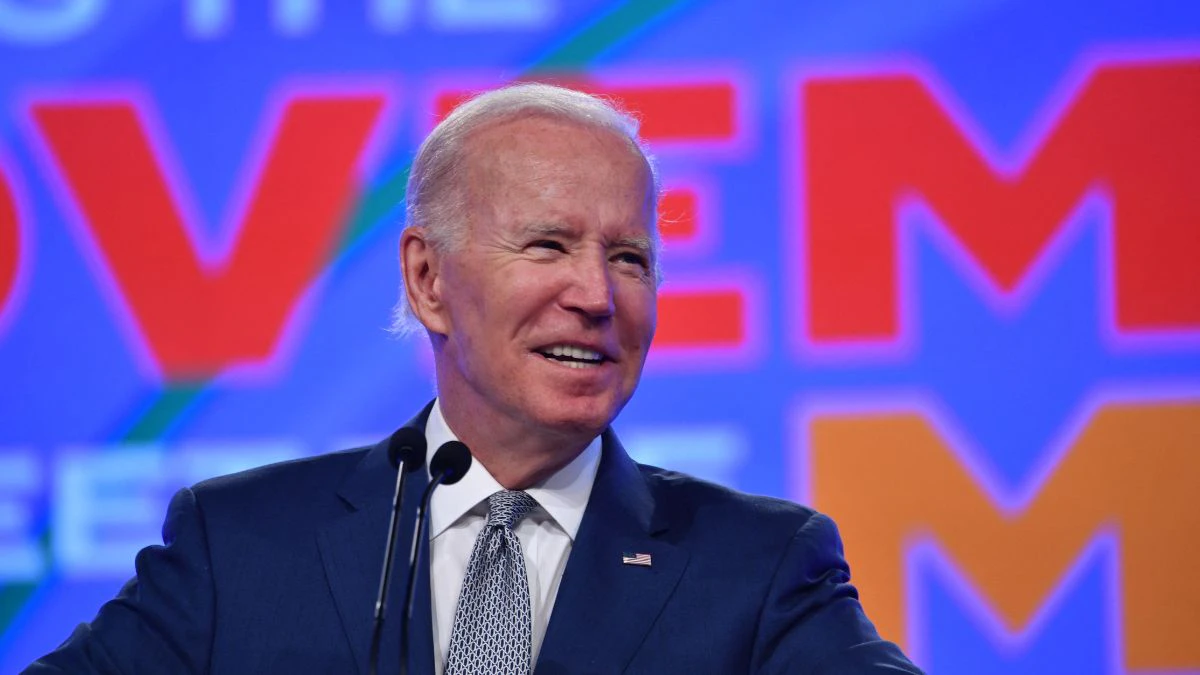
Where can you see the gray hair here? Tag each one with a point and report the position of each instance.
(434, 198)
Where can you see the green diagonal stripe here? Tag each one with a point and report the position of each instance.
(372, 207)
(608, 30)
(163, 413)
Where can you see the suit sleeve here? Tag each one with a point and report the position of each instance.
(161, 621)
(812, 622)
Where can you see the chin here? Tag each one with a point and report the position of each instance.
(579, 426)
(579, 422)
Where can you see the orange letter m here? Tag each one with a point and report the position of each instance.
(891, 479)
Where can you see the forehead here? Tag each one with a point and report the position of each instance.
(539, 172)
(539, 152)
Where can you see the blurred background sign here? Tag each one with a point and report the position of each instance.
(932, 267)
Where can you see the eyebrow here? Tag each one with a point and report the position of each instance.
(644, 244)
(546, 229)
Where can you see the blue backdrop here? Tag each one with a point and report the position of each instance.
(146, 150)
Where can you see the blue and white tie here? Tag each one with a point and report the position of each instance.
(492, 631)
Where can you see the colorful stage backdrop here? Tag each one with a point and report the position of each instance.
(932, 267)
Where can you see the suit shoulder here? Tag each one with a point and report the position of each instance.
(304, 478)
(703, 499)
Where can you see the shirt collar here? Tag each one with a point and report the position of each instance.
(563, 495)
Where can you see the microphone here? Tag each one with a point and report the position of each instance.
(448, 466)
(406, 452)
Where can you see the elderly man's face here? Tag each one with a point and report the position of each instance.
(550, 301)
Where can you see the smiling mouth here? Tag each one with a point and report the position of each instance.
(573, 357)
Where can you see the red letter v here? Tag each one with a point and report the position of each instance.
(200, 316)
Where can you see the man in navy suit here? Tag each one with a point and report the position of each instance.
(530, 260)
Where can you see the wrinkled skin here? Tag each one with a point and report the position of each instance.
(558, 252)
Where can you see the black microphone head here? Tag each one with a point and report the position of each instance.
(452, 461)
(407, 445)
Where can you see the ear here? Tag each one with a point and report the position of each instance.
(420, 266)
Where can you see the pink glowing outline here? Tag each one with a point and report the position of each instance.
(26, 248)
(749, 352)
(737, 147)
(1043, 122)
(1009, 501)
(211, 251)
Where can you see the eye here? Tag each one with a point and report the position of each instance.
(632, 258)
(548, 244)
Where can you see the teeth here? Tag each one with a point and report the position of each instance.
(577, 353)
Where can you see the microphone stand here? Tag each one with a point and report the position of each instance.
(386, 574)
(418, 536)
(448, 466)
(406, 452)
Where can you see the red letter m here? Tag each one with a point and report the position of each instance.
(1131, 133)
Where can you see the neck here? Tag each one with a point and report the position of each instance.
(515, 454)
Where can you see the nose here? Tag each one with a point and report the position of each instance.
(590, 288)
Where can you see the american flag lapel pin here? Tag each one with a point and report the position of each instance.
(642, 559)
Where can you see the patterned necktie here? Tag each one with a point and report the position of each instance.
(492, 631)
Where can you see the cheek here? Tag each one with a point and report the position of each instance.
(509, 302)
(640, 313)
(526, 289)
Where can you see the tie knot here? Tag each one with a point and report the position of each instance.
(507, 507)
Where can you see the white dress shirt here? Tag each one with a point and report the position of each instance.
(458, 512)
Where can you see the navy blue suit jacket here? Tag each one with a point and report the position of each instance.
(275, 570)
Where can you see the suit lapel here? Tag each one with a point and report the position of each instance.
(604, 607)
(352, 552)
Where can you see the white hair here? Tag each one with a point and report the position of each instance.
(434, 195)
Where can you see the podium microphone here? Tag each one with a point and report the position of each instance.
(448, 466)
(406, 452)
